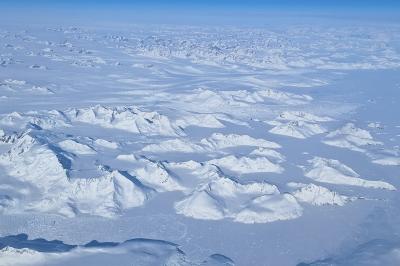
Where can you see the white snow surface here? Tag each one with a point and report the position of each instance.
(220, 141)
(319, 196)
(76, 147)
(333, 171)
(194, 135)
(351, 137)
(245, 165)
(245, 203)
(126, 118)
(296, 129)
(139, 251)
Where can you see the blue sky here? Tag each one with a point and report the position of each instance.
(186, 11)
(209, 4)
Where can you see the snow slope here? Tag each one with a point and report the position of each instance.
(333, 171)
(19, 250)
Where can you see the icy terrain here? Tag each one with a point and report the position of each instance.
(172, 145)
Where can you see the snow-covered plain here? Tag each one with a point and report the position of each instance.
(173, 145)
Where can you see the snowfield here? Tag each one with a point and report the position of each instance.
(175, 145)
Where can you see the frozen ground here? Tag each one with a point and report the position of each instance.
(180, 145)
